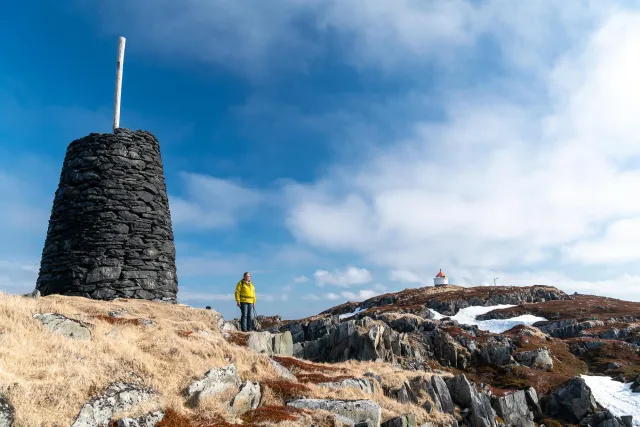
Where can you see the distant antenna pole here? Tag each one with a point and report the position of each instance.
(119, 66)
(494, 281)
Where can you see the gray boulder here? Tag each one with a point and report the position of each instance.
(419, 384)
(358, 411)
(282, 371)
(604, 419)
(442, 392)
(537, 359)
(7, 414)
(361, 384)
(61, 325)
(214, 382)
(280, 344)
(116, 398)
(247, 399)
(465, 395)
(408, 420)
(403, 394)
(149, 420)
(532, 400)
(570, 402)
(513, 409)
(496, 351)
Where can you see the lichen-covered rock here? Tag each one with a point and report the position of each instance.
(279, 344)
(110, 232)
(214, 382)
(442, 391)
(408, 420)
(247, 399)
(282, 371)
(513, 409)
(149, 420)
(361, 384)
(537, 359)
(358, 411)
(116, 398)
(61, 325)
(7, 414)
(570, 402)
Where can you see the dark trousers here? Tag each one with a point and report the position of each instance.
(246, 319)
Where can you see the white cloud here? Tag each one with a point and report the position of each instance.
(350, 276)
(300, 279)
(332, 296)
(404, 276)
(211, 202)
(500, 182)
(619, 244)
(310, 297)
(255, 37)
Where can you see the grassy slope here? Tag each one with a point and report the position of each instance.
(48, 377)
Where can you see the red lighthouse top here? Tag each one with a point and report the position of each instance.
(441, 274)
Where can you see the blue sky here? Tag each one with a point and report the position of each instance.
(338, 149)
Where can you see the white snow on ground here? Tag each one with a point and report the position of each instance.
(615, 396)
(347, 315)
(467, 316)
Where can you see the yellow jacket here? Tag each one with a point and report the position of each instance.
(245, 292)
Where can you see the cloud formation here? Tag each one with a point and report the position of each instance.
(344, 278)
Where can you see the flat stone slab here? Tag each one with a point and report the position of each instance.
(358, 411)
(61, 325)
(282, 371)
(116, 398)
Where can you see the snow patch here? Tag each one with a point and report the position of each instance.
(347, 315)
(467, 316)
(615, 396)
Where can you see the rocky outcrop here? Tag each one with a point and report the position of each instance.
(537, 359)
(363, 339)
(214, 381)
(442, 394)
(496, 351)
(357, 411)
(118, 397)
(149, 420)
(7, 413)
(247, 399)
(408, 420)
(280, 344)
(464, 394)
(569, 328)
(514, 409)
(61, 325)
(570, 402)
(605, 418)
(361, 384)
(110, 232)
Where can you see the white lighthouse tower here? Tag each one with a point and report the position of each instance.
(440, 279)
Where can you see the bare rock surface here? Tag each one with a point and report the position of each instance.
(116, 398)
(214, 381)
(59, 324)
(358, 411)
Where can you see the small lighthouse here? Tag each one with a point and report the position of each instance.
(440, 279)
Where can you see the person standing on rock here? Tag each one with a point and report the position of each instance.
(246, 298)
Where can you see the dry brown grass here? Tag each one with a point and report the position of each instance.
(48, 377)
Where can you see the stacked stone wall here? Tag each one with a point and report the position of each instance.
(110, 232)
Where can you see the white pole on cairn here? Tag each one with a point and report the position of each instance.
(119, 66)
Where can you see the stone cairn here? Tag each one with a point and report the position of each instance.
(110, 230)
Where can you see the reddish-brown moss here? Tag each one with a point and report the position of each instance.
(274, 414)
(239, 338)
(298, 365)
